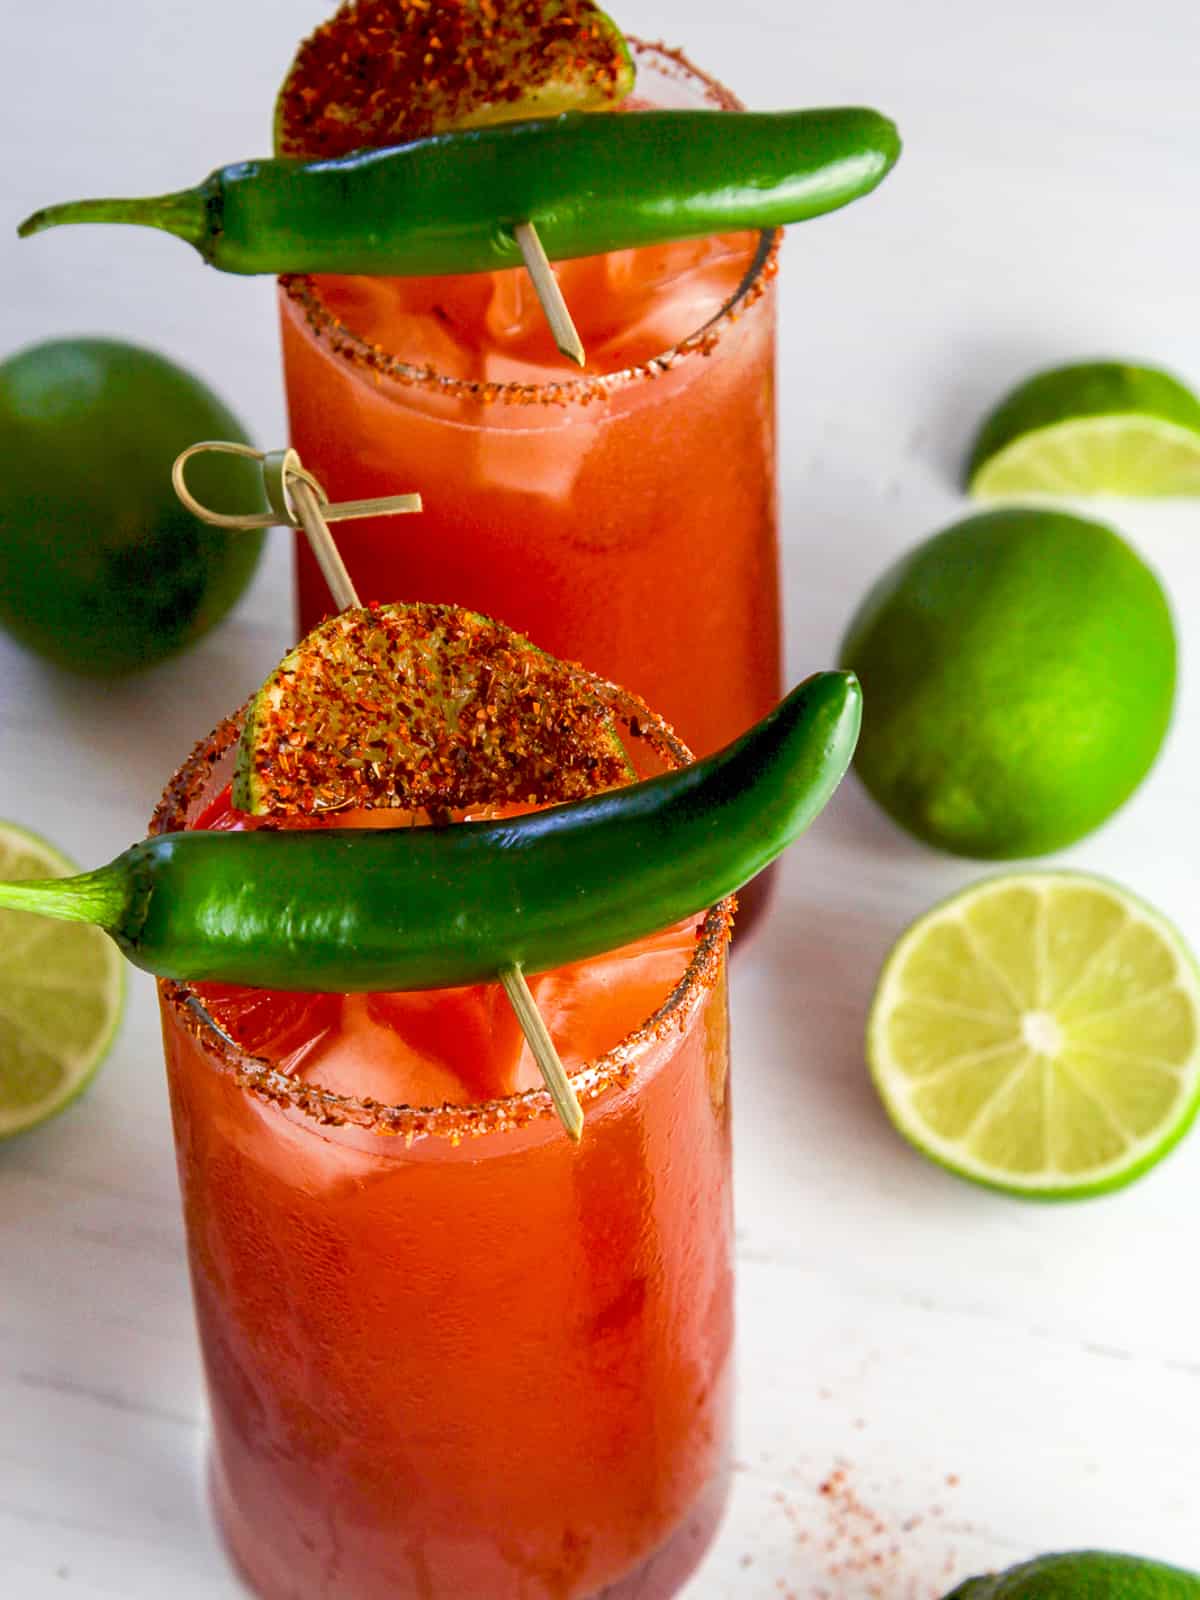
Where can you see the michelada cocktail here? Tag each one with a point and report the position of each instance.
(624, 516)
(455, 1346)
(450, 1353)
(426, 149)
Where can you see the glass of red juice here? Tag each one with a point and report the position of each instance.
(624, 517)
(449, 1353)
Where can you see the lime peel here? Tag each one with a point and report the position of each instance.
(1083, 1575)
(997, 1035)
(1020, 669)
(102, 571)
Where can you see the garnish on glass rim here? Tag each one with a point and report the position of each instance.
(449, 203)
(367, 909)
(474, 176)
(384, 72)
(432, 907)
(422, 707)
(297, 499)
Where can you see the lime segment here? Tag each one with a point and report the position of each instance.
(61, 995)
(1102, 427)
(1039, 1034)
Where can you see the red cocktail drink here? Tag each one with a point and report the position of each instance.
(624, 517)
(449, 1353)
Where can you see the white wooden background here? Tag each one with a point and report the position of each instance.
(971, 1379)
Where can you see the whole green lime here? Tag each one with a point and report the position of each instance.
(1084, 1575)
(1018, 672)
(101, 568)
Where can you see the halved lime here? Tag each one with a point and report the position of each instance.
(382, 72)
(62, 988)
(422, 706)
(1084, 1575)
(1038, 1034)
(1101, 427)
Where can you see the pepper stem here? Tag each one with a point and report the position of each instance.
(533, 1025)
(94, 897)
(184, 213)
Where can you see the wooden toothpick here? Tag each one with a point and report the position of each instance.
(322, 543)
(554, 1074)
(298, 500)
(537, 265)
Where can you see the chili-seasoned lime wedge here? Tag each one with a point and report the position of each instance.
(422, 706)
(1040, 1034)
(383, 72)
(62, 989)
(1084, 1575)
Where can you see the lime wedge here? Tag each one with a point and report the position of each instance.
(1084, 1575)
(62, 988)
(382, 72)
(422, 707)
(1038, 1034)
(1103, 427)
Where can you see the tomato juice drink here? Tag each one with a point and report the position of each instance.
(624, 516)
(450, 1353)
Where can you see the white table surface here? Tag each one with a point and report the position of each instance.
(988, 1379)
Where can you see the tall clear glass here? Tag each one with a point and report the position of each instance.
(449, 1354)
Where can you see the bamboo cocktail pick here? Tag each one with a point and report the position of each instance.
(298, 500)
(558, 315)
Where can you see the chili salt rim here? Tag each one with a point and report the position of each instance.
(345, 343)
(615, 1069)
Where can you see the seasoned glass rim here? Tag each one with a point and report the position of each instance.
(616, 1068)
(349, 346)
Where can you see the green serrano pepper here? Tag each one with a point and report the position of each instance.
(449, 203)
(348, 909)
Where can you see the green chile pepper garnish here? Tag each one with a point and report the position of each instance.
(349, 909)
(448, 203)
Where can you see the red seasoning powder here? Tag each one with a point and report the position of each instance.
(847, 1549)
(428, 706)
(382, 72)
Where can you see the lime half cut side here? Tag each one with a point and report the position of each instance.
(1038, 1034)
(1101, 427)
(62, 988)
